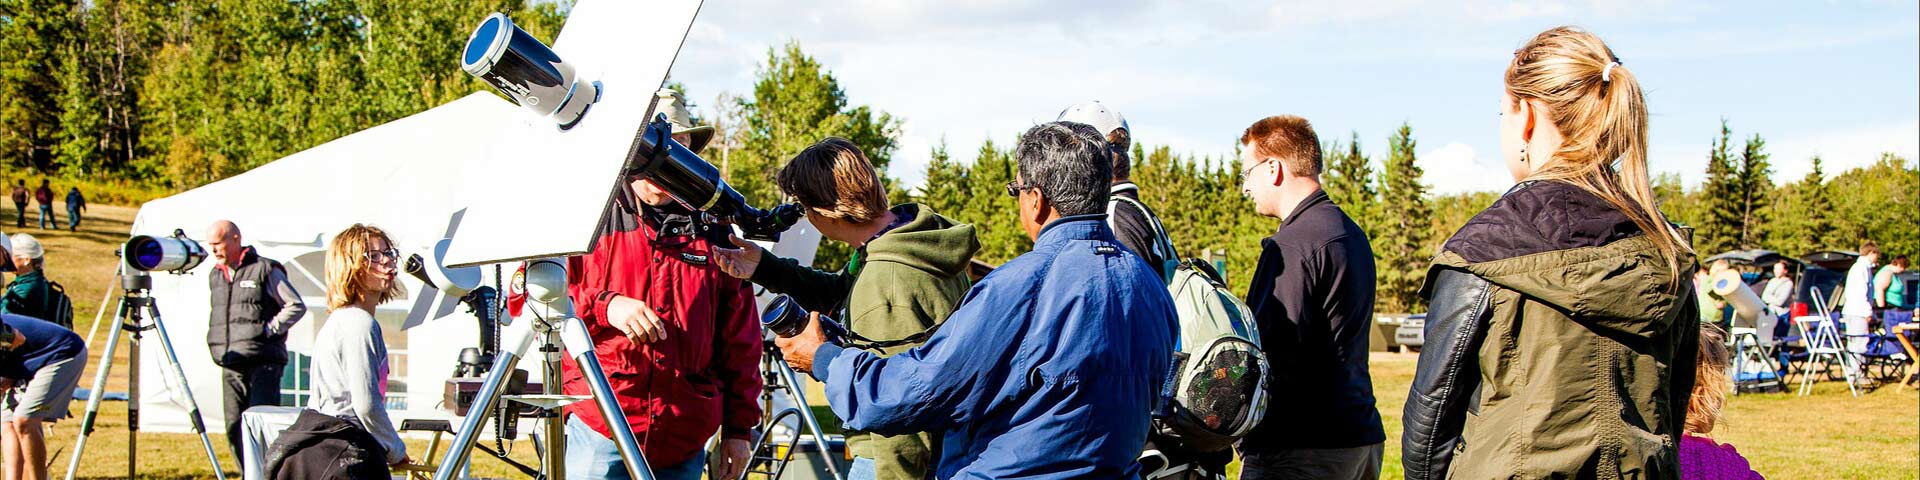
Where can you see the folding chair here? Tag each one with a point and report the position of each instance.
(1753, 362)
(1753, 345)
(1825, 349)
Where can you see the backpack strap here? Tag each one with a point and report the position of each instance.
(1161, 242)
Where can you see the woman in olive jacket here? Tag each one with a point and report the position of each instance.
(1562, 329)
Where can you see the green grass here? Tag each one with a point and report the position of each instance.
(1828, 434)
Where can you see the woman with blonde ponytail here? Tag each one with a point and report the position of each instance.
(1561, 330)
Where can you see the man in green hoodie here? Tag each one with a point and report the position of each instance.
(908, 272)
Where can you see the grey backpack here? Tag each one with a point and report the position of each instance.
(1218, 388)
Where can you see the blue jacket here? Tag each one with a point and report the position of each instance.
(1049, 368)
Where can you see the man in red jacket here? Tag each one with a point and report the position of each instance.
(679, 340)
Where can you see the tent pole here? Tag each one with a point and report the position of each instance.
(104, 298)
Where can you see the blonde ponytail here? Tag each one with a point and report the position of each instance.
(1597, 104)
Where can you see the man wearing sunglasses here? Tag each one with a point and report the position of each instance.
(253, 308)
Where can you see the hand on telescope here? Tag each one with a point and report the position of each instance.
(738, 262)
(734, 455)
(635, 319)
(798, 349)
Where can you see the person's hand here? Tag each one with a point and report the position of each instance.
(734, 456)
(798, 349)
(739, 262)
(403, 461)
(635, 319)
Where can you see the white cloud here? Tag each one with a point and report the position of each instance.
(1456, 168)
(1842, 149)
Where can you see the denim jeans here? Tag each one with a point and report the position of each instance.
(863, 469)
(592, 456)
(46, 217)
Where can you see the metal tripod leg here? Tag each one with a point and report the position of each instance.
(193, 412)
(573, 334)
(99, 390)
(129, 318)
(796, 390)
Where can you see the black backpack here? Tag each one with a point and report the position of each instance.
(59, 306)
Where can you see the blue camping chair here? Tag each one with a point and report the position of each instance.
(1885, 360)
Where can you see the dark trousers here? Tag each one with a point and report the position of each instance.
(247, 386)
(20, 208)
(1358, 463)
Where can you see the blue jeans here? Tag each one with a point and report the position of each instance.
(591, 456)
(46, 216)
(862, 469)
(73, 218)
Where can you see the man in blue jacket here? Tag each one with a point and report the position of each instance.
(1051, 365)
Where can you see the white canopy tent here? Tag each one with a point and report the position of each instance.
(408, 177)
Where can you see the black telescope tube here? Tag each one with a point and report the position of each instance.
(683, 174)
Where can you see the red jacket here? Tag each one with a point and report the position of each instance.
(706, 375)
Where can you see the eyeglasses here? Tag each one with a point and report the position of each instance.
(1014, 188)
(1249, 170)
(383, 256)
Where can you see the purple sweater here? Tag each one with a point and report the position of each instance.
(1703, 459)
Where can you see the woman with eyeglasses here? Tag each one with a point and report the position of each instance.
(344, 431)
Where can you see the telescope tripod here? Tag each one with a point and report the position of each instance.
(555, 332)
(769, 458)
(136, 302)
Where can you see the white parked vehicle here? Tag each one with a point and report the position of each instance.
(1412, 332)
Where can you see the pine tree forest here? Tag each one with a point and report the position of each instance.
(142, 99)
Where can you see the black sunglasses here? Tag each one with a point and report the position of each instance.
(1014, 188)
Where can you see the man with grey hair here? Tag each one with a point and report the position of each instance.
(1051, 365)
(253, 307)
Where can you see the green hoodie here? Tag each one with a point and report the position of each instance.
(905, 282)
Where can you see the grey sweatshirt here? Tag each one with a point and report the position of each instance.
(349, 376)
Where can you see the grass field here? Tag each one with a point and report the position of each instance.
(1828, 434)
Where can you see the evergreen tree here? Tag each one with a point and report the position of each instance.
(1401, 252)
(81, 119)
(1803, 216)
(1722, 209)
(33, 33)
(1349, 183)
(1753, 183)
(797, 102)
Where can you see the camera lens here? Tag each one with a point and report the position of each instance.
(784, 317)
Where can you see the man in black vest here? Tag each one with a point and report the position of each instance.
(253, 307)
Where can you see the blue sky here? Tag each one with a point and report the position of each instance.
(1837, 78)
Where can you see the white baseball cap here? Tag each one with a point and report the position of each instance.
(25, 245)
(1097, 115)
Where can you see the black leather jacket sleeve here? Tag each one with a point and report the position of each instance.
(1448, 372)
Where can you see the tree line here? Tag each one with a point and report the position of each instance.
(178, 94)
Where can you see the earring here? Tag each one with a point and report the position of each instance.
(1523, 154)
